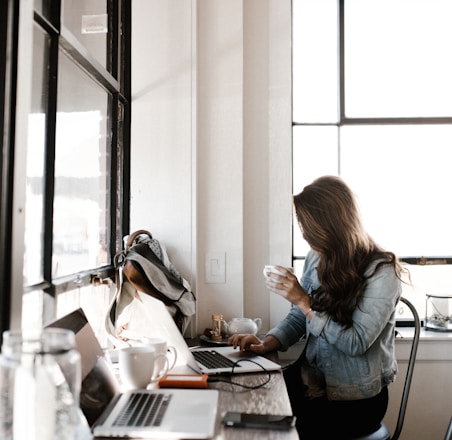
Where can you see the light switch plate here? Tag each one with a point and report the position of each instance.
(215, 267)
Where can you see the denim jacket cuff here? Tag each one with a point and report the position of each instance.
(280, 335)
(317, 323)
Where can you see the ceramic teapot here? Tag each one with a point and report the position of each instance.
(243, 325)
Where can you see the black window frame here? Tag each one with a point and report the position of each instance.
(116, 79)
(420, 260)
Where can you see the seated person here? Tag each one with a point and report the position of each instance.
(345, 305)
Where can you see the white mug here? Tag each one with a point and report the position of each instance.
(272, 269)
(137, 366)
(161, 347)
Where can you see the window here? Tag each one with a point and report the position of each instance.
(76, 171)
(372, 102)
(82, 173)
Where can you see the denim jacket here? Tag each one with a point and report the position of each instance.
(346, 363)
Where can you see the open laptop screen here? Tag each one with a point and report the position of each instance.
(99, 384)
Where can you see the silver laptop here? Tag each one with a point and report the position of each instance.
(146, 414)
(229, 360)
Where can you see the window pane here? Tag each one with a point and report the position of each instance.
(397, 61)
(403, 180)
(428, 279)
(37, 307)
(88, 22)
(315, 66)
(44, 7)
(94, 300)
(81, 173)
(34, 227)
(315, 153)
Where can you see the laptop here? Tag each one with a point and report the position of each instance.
(141, 414)
(200, 360)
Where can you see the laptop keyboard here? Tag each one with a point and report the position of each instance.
(213, 359)
(143, 409)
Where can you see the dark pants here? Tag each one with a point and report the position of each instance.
(339, 419)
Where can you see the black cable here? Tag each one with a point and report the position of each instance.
(248, 387)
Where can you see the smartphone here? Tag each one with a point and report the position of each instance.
(249, 420)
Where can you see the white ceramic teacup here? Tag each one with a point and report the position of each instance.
(138, 366)
(272, 269)
(161, 347)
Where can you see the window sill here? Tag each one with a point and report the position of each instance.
(433, 345)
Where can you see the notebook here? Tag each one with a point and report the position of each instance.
(145, 414)
(162, 325)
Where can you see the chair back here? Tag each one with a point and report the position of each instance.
(410, 369)
(382, 432)
(449, 431)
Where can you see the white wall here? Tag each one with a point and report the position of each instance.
(211, 144)
(211, 162)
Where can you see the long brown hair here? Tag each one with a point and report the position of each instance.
(330, 221)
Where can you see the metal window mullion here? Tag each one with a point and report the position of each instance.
(45, 24)
(114, 121)
(81, 56)
(398, 121)
(444, 120)
(426, 261)
(341, 61)
(49, 166)
(112, 38)
(82, 279)
(9, 13)
(123, 210)
(126, 51)
(123, 215)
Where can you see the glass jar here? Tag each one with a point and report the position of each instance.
(217, 321)
(40, 379)
(438, 312)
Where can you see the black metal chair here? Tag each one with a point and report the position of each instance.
(449, 431)
(383, 432)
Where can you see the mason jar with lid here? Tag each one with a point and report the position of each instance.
(40, 379)
(438, 312)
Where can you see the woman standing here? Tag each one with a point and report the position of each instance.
(345, 305)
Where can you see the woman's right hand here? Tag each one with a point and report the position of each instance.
(246, 342)
(289, 288)
(250, 342)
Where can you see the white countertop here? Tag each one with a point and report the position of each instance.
(433, 345)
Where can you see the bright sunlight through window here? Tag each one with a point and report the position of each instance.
(372, 102)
